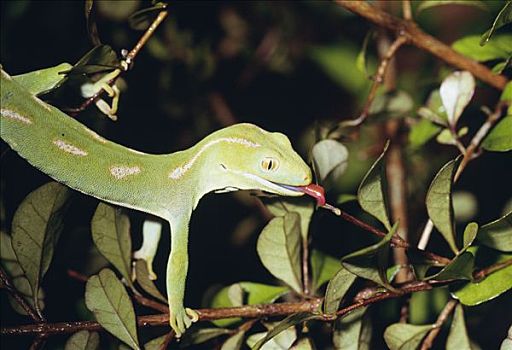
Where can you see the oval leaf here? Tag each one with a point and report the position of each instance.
(458, 338)
(282, 326)
(500, 137)
(330, 159)
(279, 249)
(336, 289)
(439, 202)
(474, 293)
(504, 17)
(157, 343)
(456, 91)
(371, 262)
(202, 335)
(107, 298)
(353, 331)
(280, 206)
(498, 48)
(142, 276)
(323, 268)
(372, 193)
(36, 227)
(234, 342)
(497, 234)
(402, 336)
(111, 235)
(83, 340)
(461, 267)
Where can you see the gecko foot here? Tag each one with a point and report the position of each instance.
(182, 318)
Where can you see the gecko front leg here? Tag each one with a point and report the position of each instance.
(180, 318)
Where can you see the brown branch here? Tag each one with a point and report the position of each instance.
(431, 336)
(128, 59)
(377, 81)
(248, 311)
(480, 275)
(407, 10)
(424, 41)
(18, 297)
(396, 241)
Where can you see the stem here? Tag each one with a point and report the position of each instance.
(378, 80)
(468, 155)
(431, 336)
(480, 275)
(20, 299)
(407, 10)
(424, 41)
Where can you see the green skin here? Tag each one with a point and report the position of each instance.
(239, 157)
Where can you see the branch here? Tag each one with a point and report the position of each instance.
(249, 311)
(424, 41)
(447, 310)
(6, 283)
(128, 60)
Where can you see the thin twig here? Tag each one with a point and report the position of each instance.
(424, 41)
(168, 338)
(377, 81)
(128, 59)
(407, 10)
(468, 155)
(480, 275)
(431, 336)
(18, 297)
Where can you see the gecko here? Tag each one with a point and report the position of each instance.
(238, 157)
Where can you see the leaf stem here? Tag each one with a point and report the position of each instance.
(431, 336)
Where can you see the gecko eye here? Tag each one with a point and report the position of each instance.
(269, 164)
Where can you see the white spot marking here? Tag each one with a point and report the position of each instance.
(95, 135)
(120, 172)
(69, 148)
(7, 113)
(180, 171)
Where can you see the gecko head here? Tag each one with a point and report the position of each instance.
(259, 160)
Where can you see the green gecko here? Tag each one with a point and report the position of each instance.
(169, 186)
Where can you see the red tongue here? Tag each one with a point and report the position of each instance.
(316, 192)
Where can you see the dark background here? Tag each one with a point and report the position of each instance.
(258, 59)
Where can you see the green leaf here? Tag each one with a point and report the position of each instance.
(282, 341)
(456, 91)
(44, 80)
(288, 322)
(336, 289)
(461, 267)
(99, 59)
(202, 335)
(506, 95)
(393, 104)
(361, 56)
(245, 293)
(497, 234)
(304, 344)
(107, 298)
(372, 193)
(422, 132)
(371, 262)
(498, 48)
(424, 306)
(234, 342)
(439, 202)
(435, 3)
(470, 233)
(279, 246)
(83, 340)
(339, 63)
(500, 137)
(345, 198)
(323, 268)
(504, 17)
(280, 206)
(9, 262)
(330, 159)
(353, 331)
(36, 228)
(111, 235)
(445, 137)
(458, 338)
(475, 293)
(142, 276)
(156, 343)
(434, 109)
(403, 336)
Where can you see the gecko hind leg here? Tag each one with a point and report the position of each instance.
(151, 231)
